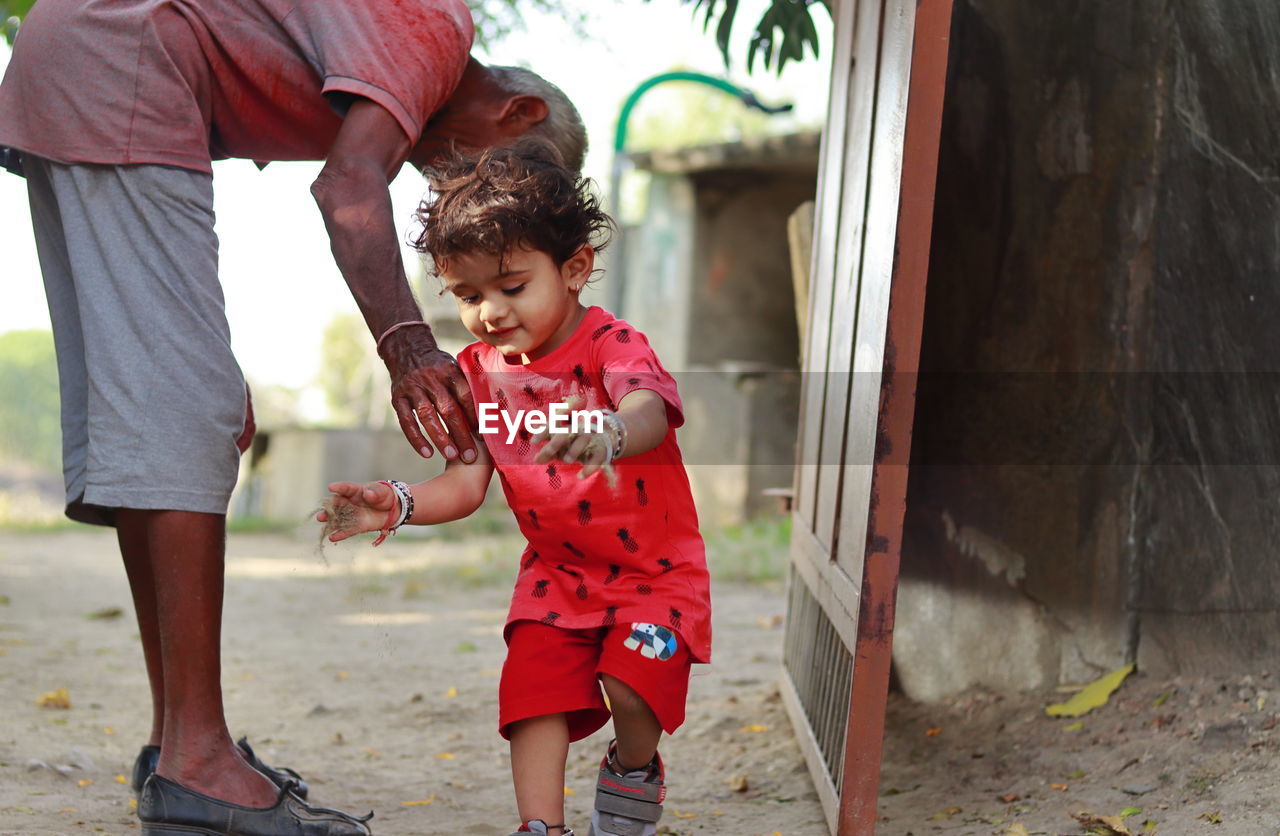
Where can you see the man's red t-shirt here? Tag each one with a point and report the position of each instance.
(598, 556)
(181, 82)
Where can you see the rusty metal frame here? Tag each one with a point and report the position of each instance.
(861, 609)
(897, 410)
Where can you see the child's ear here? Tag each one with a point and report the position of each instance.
(579, 266)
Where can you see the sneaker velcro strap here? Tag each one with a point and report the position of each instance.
(629, 797)
(610, 782)
(629, 808)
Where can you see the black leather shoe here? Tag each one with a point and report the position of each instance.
(167, 809)
(145, 766)
(279, 775)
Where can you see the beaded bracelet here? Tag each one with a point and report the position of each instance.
(400, 513)
(617, 432)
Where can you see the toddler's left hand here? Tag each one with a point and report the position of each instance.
(353, 508)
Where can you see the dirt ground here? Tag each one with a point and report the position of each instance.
(1180, 757)
(374, 673)
(375, 676)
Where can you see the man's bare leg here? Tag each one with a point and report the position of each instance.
(186, 551)
(137, 564)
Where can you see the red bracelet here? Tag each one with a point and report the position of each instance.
(397, 327)
(392, 516)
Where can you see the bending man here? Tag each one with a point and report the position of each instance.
(114, 112)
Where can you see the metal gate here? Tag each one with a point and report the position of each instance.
(871, 252)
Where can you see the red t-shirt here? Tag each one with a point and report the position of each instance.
(597, 555)
(181, 82)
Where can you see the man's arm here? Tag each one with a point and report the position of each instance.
(426, 385)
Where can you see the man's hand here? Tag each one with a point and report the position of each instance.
(428, 392)
(250, 427)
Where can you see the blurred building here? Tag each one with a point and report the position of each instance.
(708, 278)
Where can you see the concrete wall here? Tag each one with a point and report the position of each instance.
(743, 300)
(1214, 305)
(1094, 478)
(659, 274)
(738, 440)
(709, 282)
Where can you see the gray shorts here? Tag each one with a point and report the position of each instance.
(152, 397)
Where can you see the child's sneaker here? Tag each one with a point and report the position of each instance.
(539, 827)
(630, 804)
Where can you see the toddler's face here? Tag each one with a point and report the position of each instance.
(521, 303)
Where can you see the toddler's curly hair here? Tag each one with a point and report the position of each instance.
(510, 196)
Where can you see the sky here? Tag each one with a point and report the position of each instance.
(279, 278)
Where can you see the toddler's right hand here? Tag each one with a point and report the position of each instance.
(354, 508)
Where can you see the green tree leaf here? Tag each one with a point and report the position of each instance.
(784, 32)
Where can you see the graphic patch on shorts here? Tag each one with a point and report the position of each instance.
(652, 641)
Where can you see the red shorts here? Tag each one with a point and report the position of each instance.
(552, 670)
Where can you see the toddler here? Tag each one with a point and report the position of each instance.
(578, 417)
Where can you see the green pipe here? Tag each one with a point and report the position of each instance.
(613, 290)
(620, 134)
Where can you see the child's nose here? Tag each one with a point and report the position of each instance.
(493, 310)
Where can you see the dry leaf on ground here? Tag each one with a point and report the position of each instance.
(55, 699)
(1102, 825)
(1091, 696)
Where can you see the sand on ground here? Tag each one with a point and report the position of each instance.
(374, 673)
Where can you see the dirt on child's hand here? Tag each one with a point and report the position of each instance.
(355, 508)
(339, 520)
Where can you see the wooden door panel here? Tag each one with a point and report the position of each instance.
(870, 261)
(874, 281)
(822, 275)
(847, 267)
